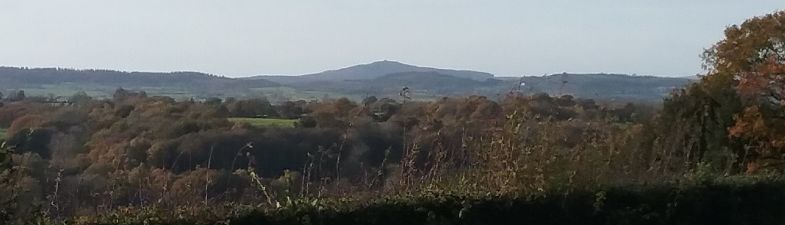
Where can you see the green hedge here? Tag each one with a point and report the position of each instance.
(761, 203)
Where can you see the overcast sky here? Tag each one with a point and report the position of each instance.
(252, 37)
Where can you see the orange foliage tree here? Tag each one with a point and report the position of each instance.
(753, 54)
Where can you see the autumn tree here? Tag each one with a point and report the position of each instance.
(753, 54)
(734, 116)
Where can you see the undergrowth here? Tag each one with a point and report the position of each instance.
(729, 200)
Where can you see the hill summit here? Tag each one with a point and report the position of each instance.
(375, 70)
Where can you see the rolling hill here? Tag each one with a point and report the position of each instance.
(382, 79)
(98, 82)
(603, 86)
(372, 71)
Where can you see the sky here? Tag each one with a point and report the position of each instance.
(290, 37)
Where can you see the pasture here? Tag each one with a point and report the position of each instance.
(264, 122)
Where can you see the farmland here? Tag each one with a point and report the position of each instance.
(264, 122)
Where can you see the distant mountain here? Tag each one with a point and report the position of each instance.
(603, 86)
(372, 71)
(432, 84)
(429, 84)
(430, 79)
(109, 80)
(693, 77)
(382, 79)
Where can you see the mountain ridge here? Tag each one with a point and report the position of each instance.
(354, 82)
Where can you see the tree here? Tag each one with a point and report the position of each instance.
(256, 107)
(79, 98)
(753, 53)
(738, 105)
(213, 101)
(290, 109)
(369, 100)
(121, 94)
(17, 96)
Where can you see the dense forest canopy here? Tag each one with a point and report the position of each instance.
(134, 149)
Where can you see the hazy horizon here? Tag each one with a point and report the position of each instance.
(337, 68)
(247, 38)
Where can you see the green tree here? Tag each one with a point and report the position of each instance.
(79, 98)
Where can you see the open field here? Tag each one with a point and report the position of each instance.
(264, 122)
(66, 90)
(2, 133)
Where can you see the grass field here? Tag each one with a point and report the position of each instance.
(2, 133)
(103, 92)
(264, 122)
